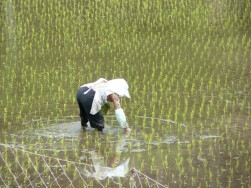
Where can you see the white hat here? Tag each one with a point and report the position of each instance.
(119, 86)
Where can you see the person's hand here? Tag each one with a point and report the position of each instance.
(127, 129)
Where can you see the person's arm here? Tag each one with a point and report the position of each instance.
(119, 113)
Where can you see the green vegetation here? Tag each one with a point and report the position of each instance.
(188, 65)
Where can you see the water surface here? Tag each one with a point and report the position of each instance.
(188, 68)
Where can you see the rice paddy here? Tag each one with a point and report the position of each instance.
(188, 66)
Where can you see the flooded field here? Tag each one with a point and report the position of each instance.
(188, 66)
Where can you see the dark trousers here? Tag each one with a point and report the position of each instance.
(85, 105)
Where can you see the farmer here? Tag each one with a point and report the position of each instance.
(93, 100)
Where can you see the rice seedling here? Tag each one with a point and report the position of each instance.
(186, 62)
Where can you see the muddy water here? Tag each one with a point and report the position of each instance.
(112, 154)
(188, 71)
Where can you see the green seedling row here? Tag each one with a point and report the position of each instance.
(188, 65)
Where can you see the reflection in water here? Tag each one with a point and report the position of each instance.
(107, 155)
(66, 136)
(173, 61)
(102, 172)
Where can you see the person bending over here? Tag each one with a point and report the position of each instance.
(94, 98)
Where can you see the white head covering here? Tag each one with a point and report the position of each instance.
(119, 86)
(103, 88)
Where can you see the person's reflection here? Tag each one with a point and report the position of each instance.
(117, 168)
